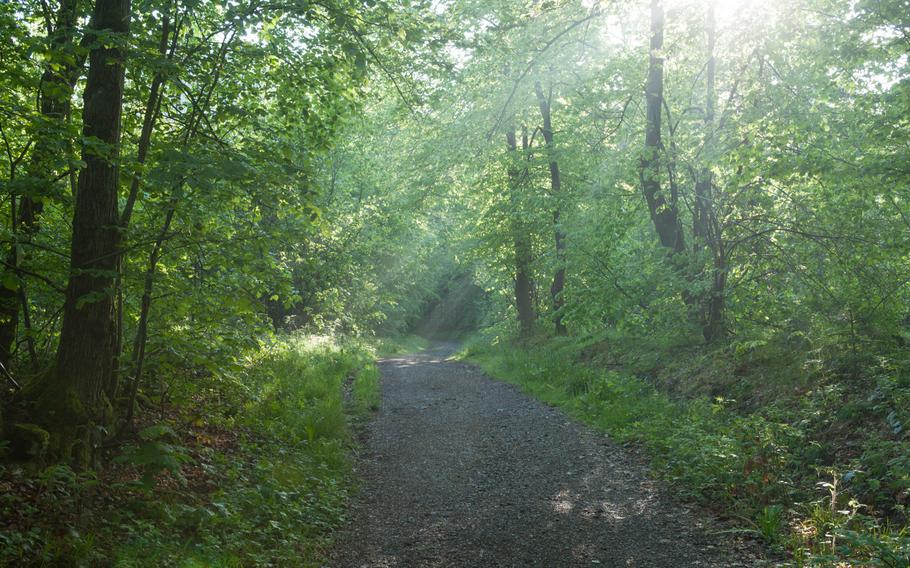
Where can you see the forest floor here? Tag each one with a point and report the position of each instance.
(461, 470)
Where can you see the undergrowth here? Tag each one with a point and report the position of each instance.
(258, 479)
(814, 469)
(386, 347)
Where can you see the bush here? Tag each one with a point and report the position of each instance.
(259, 482)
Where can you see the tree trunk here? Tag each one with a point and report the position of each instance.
(706, 229)
(139, 342)
(524, 301)
(149, 117)
(72, 404)
(664, 213)
(559, 277)
(56, 88)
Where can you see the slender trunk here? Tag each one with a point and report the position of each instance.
(139, 342)
(664, 213)
(703, 199)
(56, 88)
(9, 294)
(74, 406)
(27, 322)
(141, 337)
(559, 277)
(705, 224)
(715, 324)
(152, 109)
(524, 302)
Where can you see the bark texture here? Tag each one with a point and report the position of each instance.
(524, 302)
(559, 277)
(664, 212)
(73, 403)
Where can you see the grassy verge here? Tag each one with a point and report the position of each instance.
(257, 477)
(389, 346)
(811, 469)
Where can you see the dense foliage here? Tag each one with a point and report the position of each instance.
(257, 480)
(711, 197)
(231, 211)
(733, 208)
(183, 184)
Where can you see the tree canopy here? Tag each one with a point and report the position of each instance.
(184, 180)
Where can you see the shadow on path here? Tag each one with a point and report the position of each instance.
(464, 471)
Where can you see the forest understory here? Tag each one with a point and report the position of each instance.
(256, 473)
(685, 223)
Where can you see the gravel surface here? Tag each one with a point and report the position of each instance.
(461, 470)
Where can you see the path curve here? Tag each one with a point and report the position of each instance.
(460, 470)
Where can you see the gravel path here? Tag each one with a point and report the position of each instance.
(464, 471)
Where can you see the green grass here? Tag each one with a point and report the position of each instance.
(389, 346)
(365, 392)
(271, 497)
(779, 467)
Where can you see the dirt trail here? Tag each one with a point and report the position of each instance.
(464, 471)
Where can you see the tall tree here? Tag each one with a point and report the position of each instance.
(559, 278)
(706, 229)
(73, 404)
(664, 212)
(524, 302)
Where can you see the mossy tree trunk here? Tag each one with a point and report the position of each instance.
(72, 405)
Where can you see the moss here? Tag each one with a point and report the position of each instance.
(63, 409)
(29, 440)
(73, 426)
(107, 410)
(61, 412)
